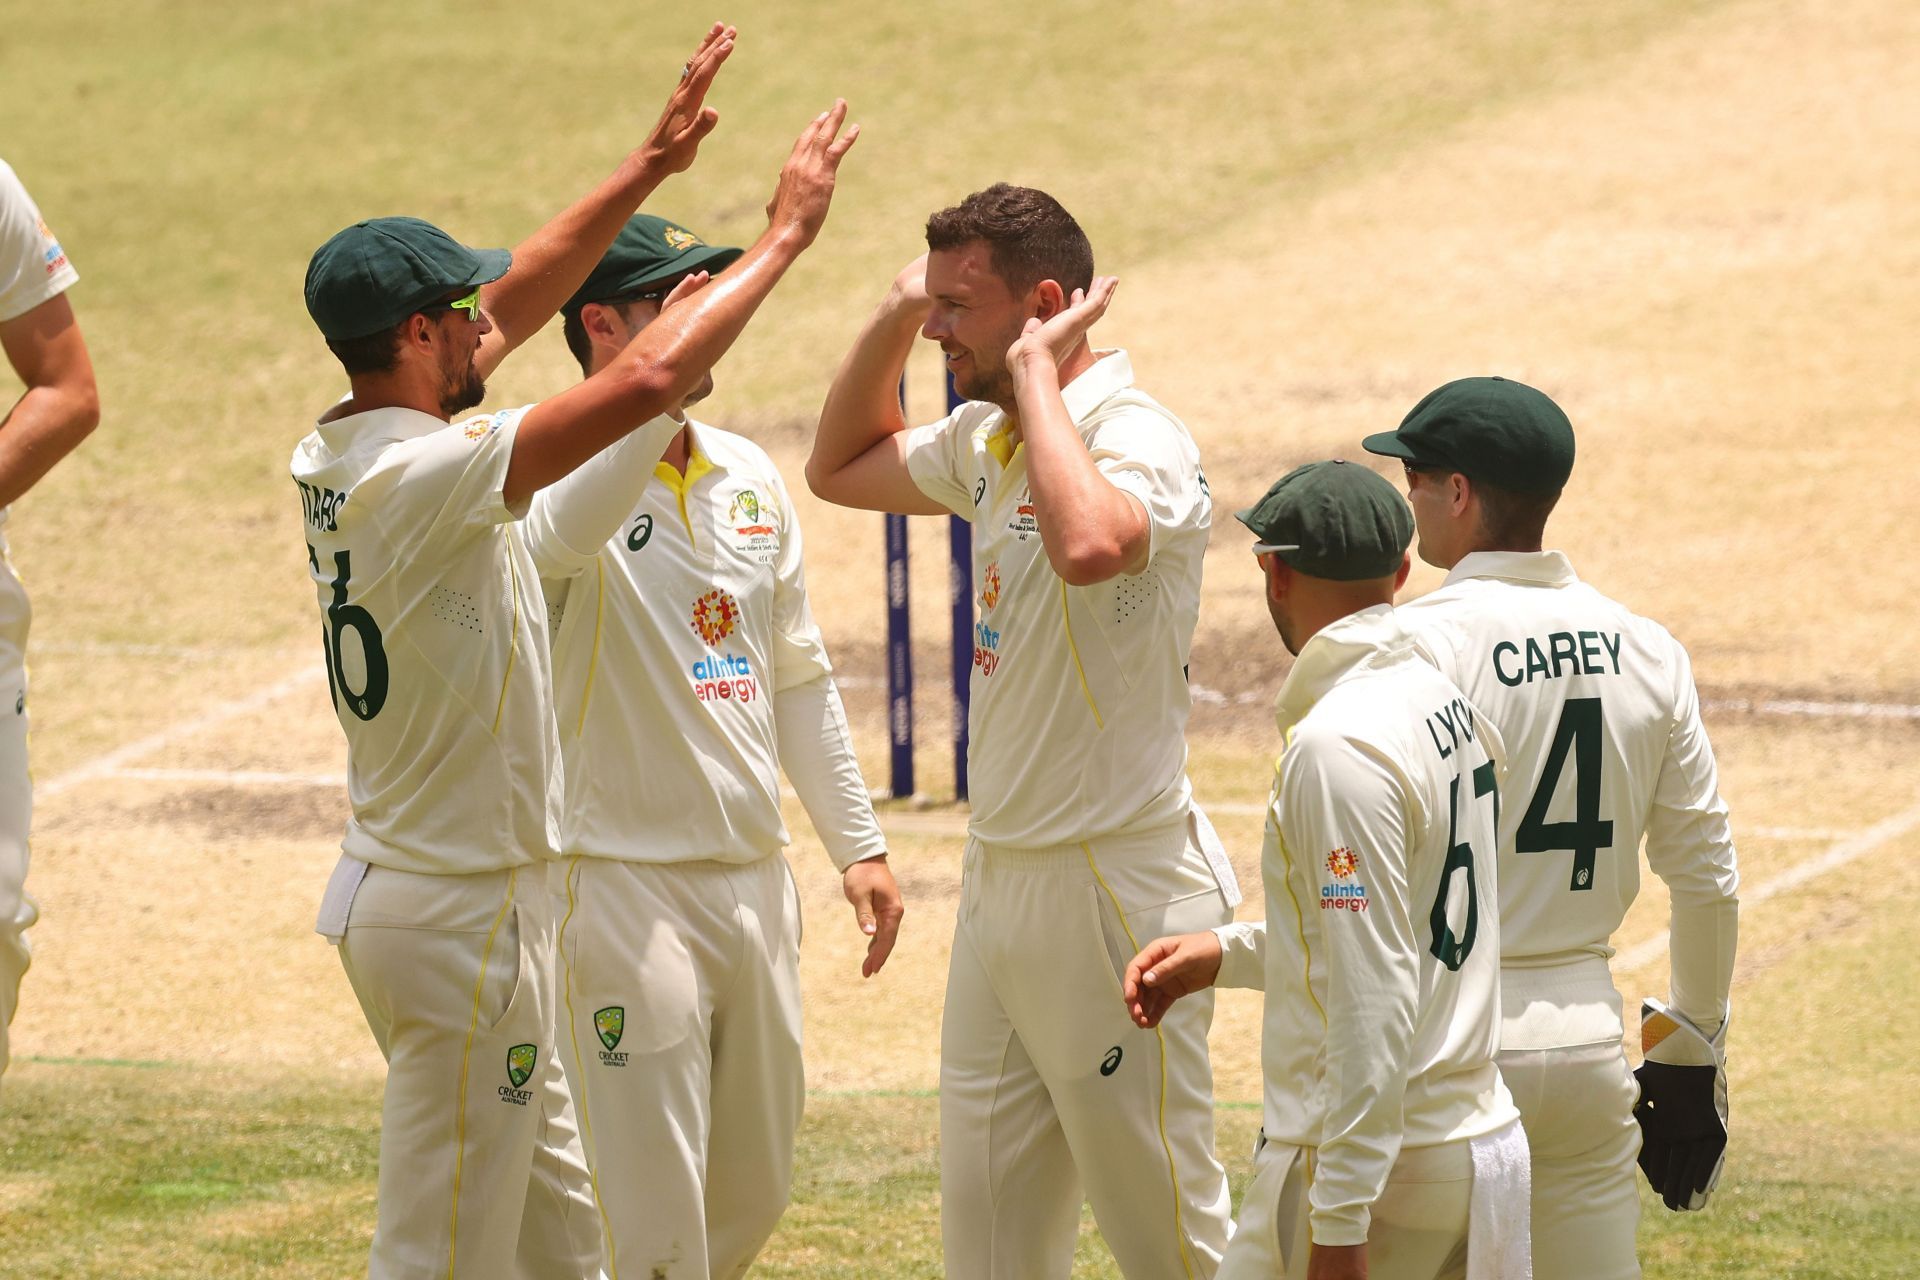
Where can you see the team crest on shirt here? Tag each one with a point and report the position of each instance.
(1346, 893)
(679, 239)
(990, 586)
(1025, 523)
(520, 1060)
(751, 518)
(482, 427)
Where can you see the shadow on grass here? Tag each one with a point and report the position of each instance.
(151, 1170)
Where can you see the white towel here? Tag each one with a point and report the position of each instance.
(1500, 1213)
(336, 904)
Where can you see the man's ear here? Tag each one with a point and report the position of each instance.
(1047, 300)
(419, 330)
(1406, 567)
(1459, 492)
(1279, 576)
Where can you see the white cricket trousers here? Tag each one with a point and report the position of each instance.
(481, 1175)
(680, 991)
(1577, 1105)
(1419, 1228)
(17, 909)
(1048, 1090)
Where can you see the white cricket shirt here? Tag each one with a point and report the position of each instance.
(1079, 694)
(33, 266)
(435, 640)
(1601, 719)
(687, 664)
(1380, 953)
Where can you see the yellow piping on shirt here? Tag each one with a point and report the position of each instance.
(1066, 619)
(697, 465)
(586, 1119)
(460, 1115)
(513, 646)
(1179, 1227)
(593, 662)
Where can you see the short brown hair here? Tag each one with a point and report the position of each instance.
(374, 353)
(1514, 521)
(1029, 236)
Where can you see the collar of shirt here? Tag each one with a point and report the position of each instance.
(1360, 642)
(394, 422)
(1110, 372)
(1547, 568)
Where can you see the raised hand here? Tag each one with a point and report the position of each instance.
(1055, 338)
(800, 200)
(676, 137)
(1165, 970)
(689, 284)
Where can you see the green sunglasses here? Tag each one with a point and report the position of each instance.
(469, 304)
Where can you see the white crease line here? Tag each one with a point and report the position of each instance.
(1803, 707)
(1853, 847)
(102, 766)
(233, 777)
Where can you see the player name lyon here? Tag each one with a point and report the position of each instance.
(724, 676)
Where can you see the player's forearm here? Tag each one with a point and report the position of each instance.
(657, 371)
(44, 426)
(1243, 955)
(572, 519)
(1091, 530)
(816, 751)
(1702, 939)
(863, 404)
(555, 260)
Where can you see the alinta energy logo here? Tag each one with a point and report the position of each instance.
(1345, 893)
(990, 586)
(721, 677)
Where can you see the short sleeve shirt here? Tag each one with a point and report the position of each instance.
(33, 266)
(434, 638)
(1079, 694)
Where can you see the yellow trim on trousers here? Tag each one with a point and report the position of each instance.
(1179, 1224)
(586, 1121)
(466, 1053)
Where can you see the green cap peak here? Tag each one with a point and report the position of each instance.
(1505, 433)
(1336, 520)
(648, 252)
(376, 273)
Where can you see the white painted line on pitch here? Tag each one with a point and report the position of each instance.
(233, 777)
(1804, 707)
(1856, 846)
(119, 757)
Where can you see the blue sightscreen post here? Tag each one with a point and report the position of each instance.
(960, 591)
(899, 653)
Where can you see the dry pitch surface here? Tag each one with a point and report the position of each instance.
(1696, 225)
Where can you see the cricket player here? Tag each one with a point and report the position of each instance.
(1090, 516)
(436, 647)
(688, 672)
(1598, 709)
(1390, 1148)
(58, 409)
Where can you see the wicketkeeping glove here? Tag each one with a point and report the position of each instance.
(1683, 1106)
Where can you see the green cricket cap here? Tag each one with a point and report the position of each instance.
(1493, 429)
(376, 273)
(648, 252)
(1337, 520)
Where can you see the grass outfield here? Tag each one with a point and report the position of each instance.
(1685, 218)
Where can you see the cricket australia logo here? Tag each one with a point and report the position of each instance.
(990, 586)
(1345, 893)
(715, 615)
(520, 1060)
(609, 1024)
(679, 239)
(751, 518)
